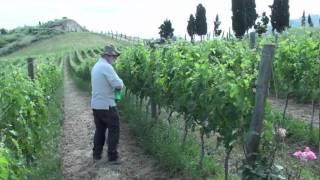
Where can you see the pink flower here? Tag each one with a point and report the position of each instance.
(297, 154)
(307, 149)
(307, 155)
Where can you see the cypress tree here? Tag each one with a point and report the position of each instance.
(303, 19)
(244, 16)
(310, 21)
(238, 18)
(280, 15)
(250, 13)
(217, 23)
(201, 21)
(191, 28)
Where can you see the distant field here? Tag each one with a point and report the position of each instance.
(63, 43)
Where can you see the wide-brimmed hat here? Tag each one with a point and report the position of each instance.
(110, 50)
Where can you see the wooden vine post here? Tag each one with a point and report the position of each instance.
(30, 68)
(253, 40)
(256, 124)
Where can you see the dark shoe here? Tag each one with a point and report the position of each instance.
(113, 159)
(112, 156)
(97, 157)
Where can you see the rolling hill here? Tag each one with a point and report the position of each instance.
(15, 39)
(63, 43)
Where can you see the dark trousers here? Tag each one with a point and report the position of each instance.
(106, 119)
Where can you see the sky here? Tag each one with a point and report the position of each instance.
(140, 18)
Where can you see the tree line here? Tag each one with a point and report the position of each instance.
(244, 17)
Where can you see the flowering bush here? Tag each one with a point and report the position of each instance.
(307, 155)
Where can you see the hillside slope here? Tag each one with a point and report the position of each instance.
(17, 38)
(63, 43)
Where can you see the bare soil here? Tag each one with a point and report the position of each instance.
(296, 110)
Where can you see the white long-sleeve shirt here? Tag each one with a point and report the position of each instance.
(104, 80)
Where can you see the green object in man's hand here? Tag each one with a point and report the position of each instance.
(117, 95)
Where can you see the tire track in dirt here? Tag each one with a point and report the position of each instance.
(77, 141)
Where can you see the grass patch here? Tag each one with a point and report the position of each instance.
(13, 42)
(299, 131)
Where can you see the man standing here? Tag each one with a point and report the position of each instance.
(105, 81)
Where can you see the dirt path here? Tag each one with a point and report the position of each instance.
(77, 140)
(302, 111)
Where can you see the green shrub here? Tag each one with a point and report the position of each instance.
(3, 42)
(165, 144)
(298, 131)
(4, 163)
